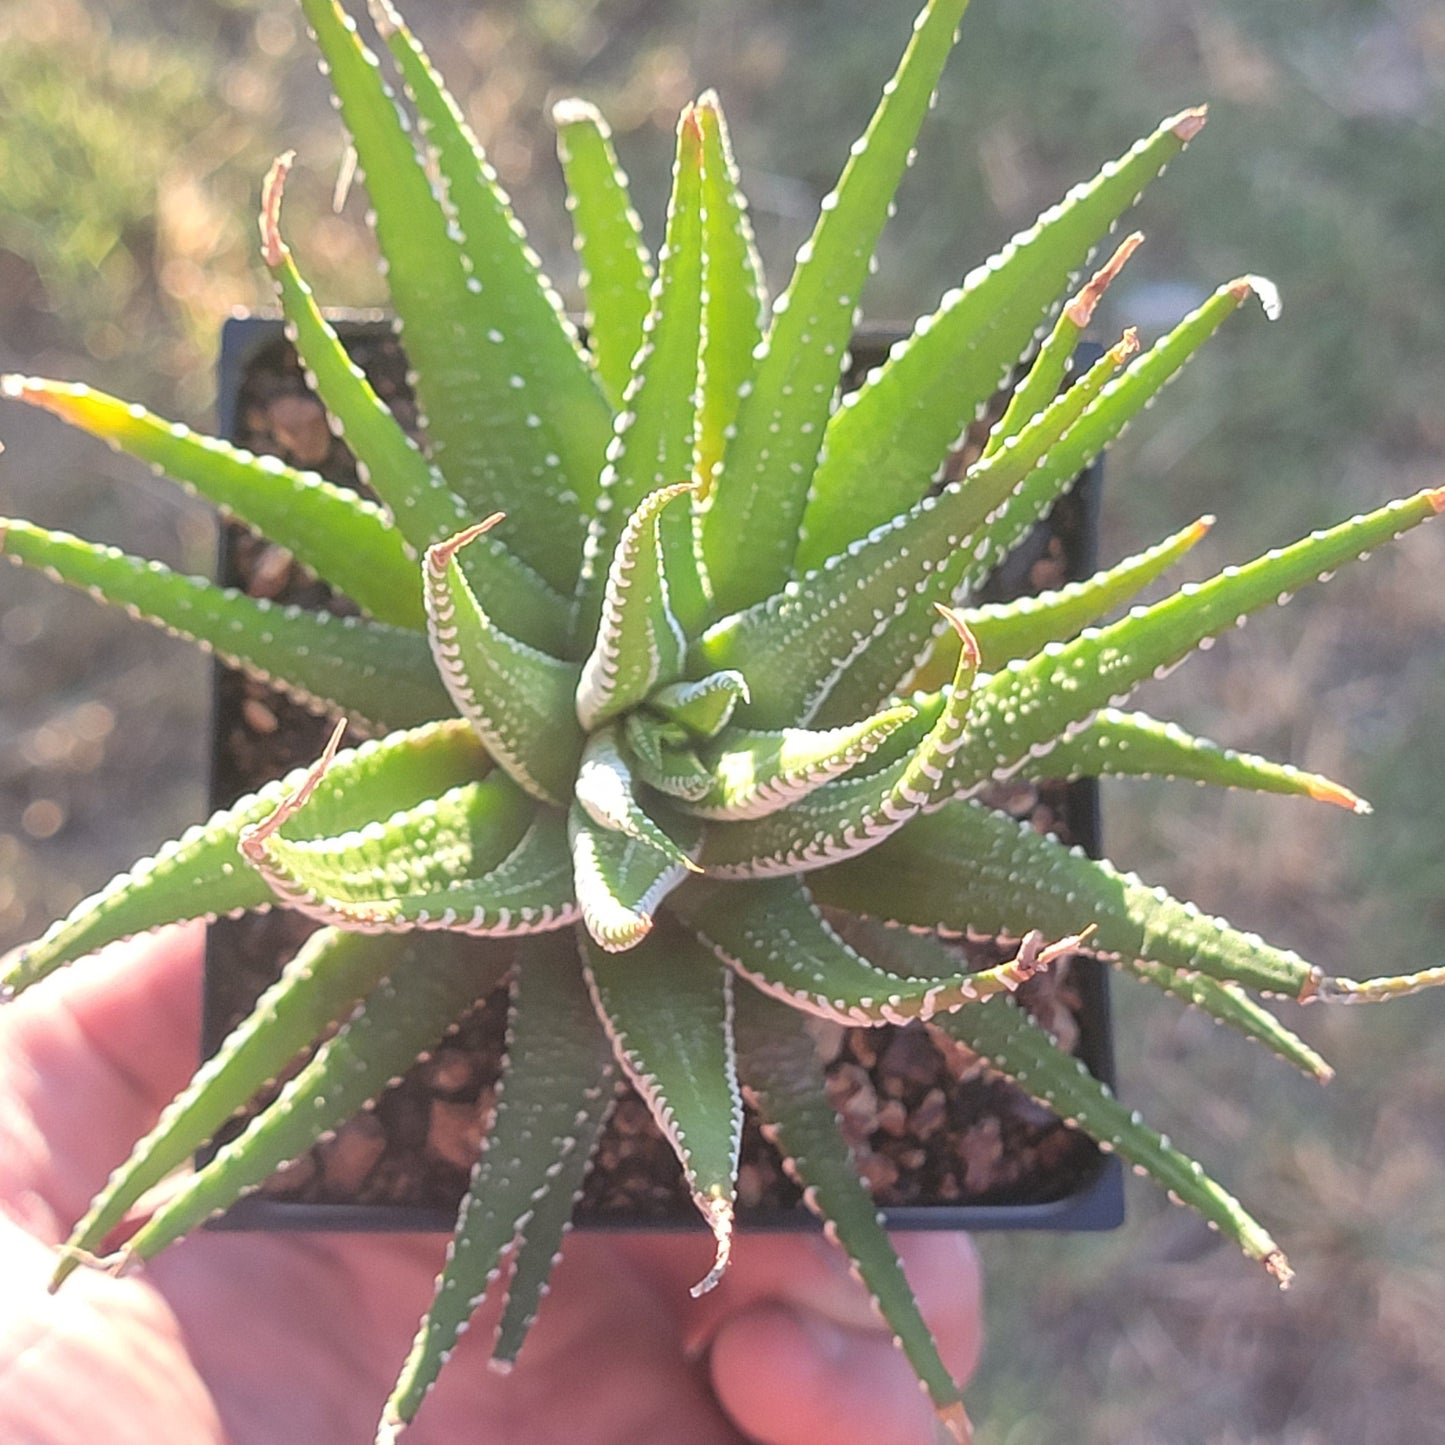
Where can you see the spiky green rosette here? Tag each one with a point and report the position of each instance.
(680, 711)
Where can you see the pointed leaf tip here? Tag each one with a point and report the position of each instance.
(1322, 989)
(385, 17)
(273, 249)
(718, 1211)
(253, 838)
(1324, 791)
(439, 555)
(955, 1421)
(1264, 289)
(573, 110)
(1080, 310)
(1188, 123)
(955, 620)
(1034, 955)
(1125, 346)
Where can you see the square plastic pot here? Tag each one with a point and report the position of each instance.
(404, 1165)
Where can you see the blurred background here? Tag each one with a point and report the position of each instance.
(134, 139)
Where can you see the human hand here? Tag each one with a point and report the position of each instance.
(295, 1339)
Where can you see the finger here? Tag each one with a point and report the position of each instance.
(817, 1344)
(101, 1360)
(791, 1377)
(88, 1059)
(809, 1272)
(947, 1279)
(802, 1268)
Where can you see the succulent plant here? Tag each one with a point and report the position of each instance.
(677, 708)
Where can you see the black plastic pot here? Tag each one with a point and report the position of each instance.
(258, 736)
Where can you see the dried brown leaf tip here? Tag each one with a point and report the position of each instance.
(273, 248)
(1188, 123)
(253, 838)
(1081, 309)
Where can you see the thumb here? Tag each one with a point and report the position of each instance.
(88, 1058)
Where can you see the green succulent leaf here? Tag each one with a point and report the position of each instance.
(517, 697)
(734, 296)
(620, 879)
(803, 649)
(668, 1007)
(784, 1081)
(966, 868)
(319, 987)
(1047, 373)
(848, 816)
(655, 433)
(663, 756)
(556, 1086)
(560, 400)
(1006, 630)
(514, 417)
(891, 436)
(608, 795)
(538, 1249)
(616, 269)
(702, 707)
(1108, 415)
(1112, 404)
(1014, 1044)
(936, 543)
(640, 642)
(422, 505)
(751, 774)
(328, 529)
(773, 935)
(201, 874)
(1119, 744)
(482, 859)
(380, 674)
(1231, 1006)
(750, 528)
(430, 985)
(1027, 708)
(1133, 745)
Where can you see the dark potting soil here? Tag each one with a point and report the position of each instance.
(926, 1127)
